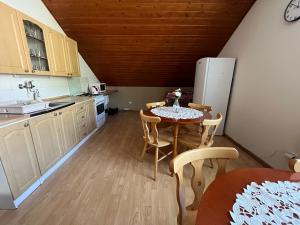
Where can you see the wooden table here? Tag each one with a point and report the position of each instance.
(177, 122)
(220, 196)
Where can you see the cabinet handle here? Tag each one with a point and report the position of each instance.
(60, 113)
(55, 114)
(26, 71)
(82, 117)
(33, 71)
(81, 107)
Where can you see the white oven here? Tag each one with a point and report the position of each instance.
(100, 110)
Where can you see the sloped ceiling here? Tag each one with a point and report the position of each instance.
(148, 42)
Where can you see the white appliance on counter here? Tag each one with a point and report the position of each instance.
(97, 88)
(213, 84)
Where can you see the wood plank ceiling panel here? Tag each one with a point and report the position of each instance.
(148, 42)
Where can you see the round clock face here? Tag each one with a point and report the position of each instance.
(292, 12)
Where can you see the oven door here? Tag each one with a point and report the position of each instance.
(100, 108)
(100, 114)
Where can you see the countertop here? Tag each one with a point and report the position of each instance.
(7, 119)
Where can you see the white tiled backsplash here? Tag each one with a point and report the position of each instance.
(48, 87)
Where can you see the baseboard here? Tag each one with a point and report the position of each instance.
(265, 164)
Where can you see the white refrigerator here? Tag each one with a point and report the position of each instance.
(213, 83)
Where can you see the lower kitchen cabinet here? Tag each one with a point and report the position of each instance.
(85, 119)
(91, 112)
(47, 139)
(28, 149)
(18, 157)
(68, 128)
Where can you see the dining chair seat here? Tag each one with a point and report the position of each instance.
(193, 140)
(164, 139)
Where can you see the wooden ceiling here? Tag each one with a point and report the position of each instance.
(148, 42)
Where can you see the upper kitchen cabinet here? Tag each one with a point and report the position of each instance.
(12, 54)
(36, 44)
(73, 59)
(59, 53)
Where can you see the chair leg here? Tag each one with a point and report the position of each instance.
(211, 163)
(144, 151)
(155, 163)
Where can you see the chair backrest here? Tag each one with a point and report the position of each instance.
(149, 126)
(196, 158)
(294, 165)
(155, 104)
(209, 129)
(200, 107)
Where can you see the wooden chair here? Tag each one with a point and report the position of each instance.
(155, 104)
(196, 158)
(153, 139)
(200, 107)
(196, 127)
(205, 138)
(294, 165)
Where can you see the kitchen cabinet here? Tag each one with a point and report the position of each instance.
(59, 53)
(73, 59)
(35, 37)
(18, 157)
(91, 112)
(67, 126)
(33, 48)
(12, 54)
(47, 139)
(81, 120)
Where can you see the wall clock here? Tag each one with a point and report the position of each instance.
(292, 11)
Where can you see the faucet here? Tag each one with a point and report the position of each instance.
(36, 94)
(28, 85)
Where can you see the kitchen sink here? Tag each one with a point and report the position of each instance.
(52, 106)
(58, 104)
(22, 107)
(32, 108)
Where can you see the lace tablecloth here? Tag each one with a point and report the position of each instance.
(183, 113)
(269, 203)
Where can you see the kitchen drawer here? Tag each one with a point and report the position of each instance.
(83, 134)
(81, 108)
(81, 115)
(83, 125)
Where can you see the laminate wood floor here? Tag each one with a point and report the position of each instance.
(103, 183)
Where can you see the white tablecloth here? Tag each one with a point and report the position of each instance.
(268, 203)
(183, 113)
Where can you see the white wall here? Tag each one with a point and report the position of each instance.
(138, 96)
(264, 110)
(48, 86)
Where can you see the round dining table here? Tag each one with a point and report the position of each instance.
(219, 198)
(176, 123)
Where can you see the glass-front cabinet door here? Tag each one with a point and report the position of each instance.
(35, 38)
